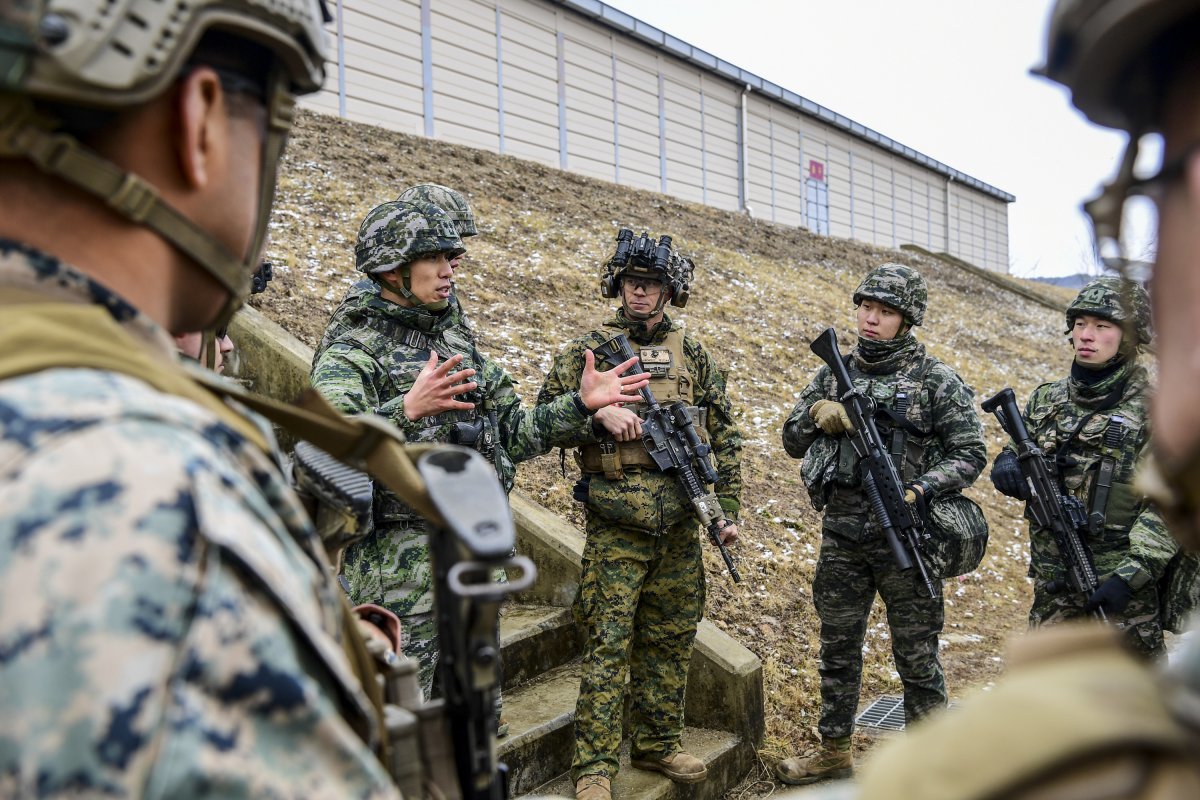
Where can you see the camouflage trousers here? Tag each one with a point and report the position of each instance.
(639, 602)
(1140, 621)
(855, 563)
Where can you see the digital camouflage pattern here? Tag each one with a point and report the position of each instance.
(167, 624)
(448, 200)
(641, 593)
(855, 561)
(897, 286)
(396, 233)
(1134, 543)
(1109, 297)
(369, 367)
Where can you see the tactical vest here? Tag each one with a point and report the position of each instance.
(378, 338)
(1095, 458)
(905, 419)
(670, 381)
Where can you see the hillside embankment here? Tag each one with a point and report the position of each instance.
(762, 292)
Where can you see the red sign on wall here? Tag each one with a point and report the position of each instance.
(816, 170)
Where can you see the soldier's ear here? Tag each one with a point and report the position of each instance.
(203, 139)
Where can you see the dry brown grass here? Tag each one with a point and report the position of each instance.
(762, 292)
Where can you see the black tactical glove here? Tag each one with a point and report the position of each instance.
(1006, 475)
(1113, 596)
(579, 492)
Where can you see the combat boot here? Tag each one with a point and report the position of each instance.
(833, 759)
(680, 767)
(593, 787)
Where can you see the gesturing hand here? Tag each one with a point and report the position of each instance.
(600, 389)
(623, 424)
(436, 388)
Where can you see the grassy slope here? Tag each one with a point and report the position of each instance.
(762, 292)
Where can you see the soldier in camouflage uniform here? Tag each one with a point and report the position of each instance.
(1078, 714)
(347, 315)
(1093, 426)
(388, 360)
(641, 593)
(943, 452)
(168, 622)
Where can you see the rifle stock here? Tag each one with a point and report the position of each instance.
(880, 480)
(1048, 506)
(671, 439)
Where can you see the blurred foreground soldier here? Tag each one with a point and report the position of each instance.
(191, 346)
(927, 417)
(641, 592)
(1093, 427)
(167, 620)
(1077, 715)
(406, 354)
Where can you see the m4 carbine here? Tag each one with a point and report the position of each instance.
(1048, 506)
(670, 437)
(902, 528)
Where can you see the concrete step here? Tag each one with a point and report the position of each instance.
(723, 753)
(541, 736)
(534, 639)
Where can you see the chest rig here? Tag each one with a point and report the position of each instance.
(670, 380)
(902, 414)
(1094, 459)
(475, 428)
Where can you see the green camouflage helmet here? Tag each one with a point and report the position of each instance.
(1109, 298)
(897, 286)
(448, 200)
(397, 233)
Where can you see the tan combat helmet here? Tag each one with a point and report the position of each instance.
(91, 54)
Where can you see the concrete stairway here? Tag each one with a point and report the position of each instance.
(540, 688)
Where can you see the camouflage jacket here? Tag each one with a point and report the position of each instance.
(948, 453)
(346, 316)
(168, 626)
(1134, 542)
(708, 393)
(374, 362)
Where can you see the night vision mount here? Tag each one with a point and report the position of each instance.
(644, 257)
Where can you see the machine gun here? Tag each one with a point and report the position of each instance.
(880, 479)
(1048, 506)
(670, 437)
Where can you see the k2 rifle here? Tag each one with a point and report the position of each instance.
(1048, 506)
(669, 434)
(903, 529)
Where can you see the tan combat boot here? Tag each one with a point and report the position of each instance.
(593, 787)
(680, 767)
(833, 759)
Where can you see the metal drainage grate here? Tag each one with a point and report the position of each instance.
(886, 713)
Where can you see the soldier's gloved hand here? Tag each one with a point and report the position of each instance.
(1007, 477)
(1113, 596)
(831, 417)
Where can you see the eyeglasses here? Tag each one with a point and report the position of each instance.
(647, 285)
(1107, 209)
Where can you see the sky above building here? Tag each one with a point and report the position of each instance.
(946, 77)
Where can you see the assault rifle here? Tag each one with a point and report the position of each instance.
(885, 491)
(1048, 506)
(448, 743)
(670, 437)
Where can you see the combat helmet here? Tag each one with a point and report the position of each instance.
(898, 286)
(1110, 298)
(448, 200)
(1108, 53)
(396, 233)
(60, 55)
(643, 257)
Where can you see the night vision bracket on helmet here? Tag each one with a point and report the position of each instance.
(644, 257)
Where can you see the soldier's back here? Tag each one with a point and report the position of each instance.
(166, 629)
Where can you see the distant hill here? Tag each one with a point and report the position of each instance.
(1076, 281)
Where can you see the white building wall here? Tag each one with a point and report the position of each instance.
(550, 82)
